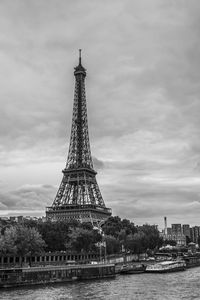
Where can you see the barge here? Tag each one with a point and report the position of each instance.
(13, 277)
(166, 266)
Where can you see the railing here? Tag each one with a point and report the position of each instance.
(76, 207)
(53, 258)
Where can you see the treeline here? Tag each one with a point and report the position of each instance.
(32, 237)
(123, 235)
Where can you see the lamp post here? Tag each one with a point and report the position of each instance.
(103, 243)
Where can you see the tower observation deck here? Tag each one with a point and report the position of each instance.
(79, 197)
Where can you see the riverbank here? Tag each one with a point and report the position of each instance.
(176, 286)
(24, 276)
(14, 277)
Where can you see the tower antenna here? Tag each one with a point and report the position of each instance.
(80, 56)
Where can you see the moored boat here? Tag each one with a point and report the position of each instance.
(132, 269)
(166, 266)
(192, 261)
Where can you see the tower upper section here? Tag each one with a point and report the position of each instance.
(79, 155)
(79, 70)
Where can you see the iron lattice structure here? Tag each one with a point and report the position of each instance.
(79, 196)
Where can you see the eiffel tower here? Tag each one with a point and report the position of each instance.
(79, 197)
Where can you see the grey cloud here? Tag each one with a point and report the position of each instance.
(28, 198)
(142, 94)
(98, 164)
(154, 204)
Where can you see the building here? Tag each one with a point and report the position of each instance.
(169, 231)
(186, 230)
(174, 233)
(79, 197)
(176, 229)
(194, 234)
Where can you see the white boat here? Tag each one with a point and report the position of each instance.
(166, 266)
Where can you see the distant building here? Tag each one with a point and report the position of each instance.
(169, 231)
(180, 239)
(43, 219)
(5, 218)
(174, 233)
(186, 230)
(20, 219)
(165, 224)
(176, 229)
(195, 233)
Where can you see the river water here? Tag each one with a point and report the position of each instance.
(174, 286)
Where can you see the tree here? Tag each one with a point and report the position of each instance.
(112, 244)
(82, 240)
(135, 243)
(22, 241)
(112, 226)
(86, 225)
(54, 234)
(152, 239)
(128, 226)
(123, 239)
(7, 241)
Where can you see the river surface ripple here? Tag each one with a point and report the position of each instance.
(171, 286)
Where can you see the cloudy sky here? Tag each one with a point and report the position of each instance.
(143, 94)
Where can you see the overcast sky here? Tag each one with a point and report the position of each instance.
(143, 95)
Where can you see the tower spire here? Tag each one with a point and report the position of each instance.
(80, 56)
(79, 196)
